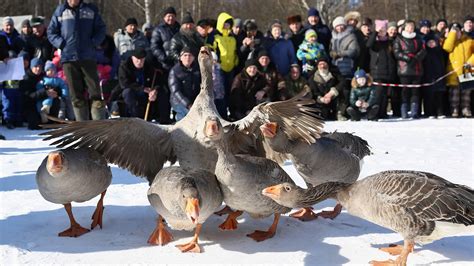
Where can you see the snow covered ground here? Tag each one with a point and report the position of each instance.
(29, 224)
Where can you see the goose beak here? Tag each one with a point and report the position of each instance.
(272, 192)
(192, 210)
(269, 129)
(55, 162)
(212, 128)
(204, 50)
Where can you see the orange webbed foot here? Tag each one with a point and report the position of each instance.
(331, 214)
(393, 249)
(97, 217)
(383, 263)
(190, 247)
(160, 236)
(230, 222)
(225, 210)
(304, 215)
(75, 230)
(259, 236)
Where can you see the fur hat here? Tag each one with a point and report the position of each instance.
(338, 21)
(309, 33)
(355, 15)
(293, 19)
(313, 12)
(169, 10)
(187, 18)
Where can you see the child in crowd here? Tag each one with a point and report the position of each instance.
(310, 51)
(363, 97)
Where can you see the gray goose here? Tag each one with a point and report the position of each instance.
(335, 157)
(143, 148)
(420, 206)
(75, 175)
(185, 199)
(242, 178)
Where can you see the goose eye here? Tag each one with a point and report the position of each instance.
(287, 188)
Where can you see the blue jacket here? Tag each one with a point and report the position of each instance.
(76, 31)
(282, 53)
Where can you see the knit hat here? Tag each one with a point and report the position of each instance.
(169, 10)
(25, 22)
(139, 53)
(322, 59)
(24, 54)
(360, 73)
(36, 21)
(424, 23)
(238, 22)
(185, 50)
(187, 18)
(381, 24)
(468, 17)
(261, 53)
(391, 24)
(131, 21)
(147, 26)
(8, 21)
(338, 21)
(313, 12)
(293, 19)
(367, 22)
(49, 66)
(36, 62)
(441, 20)
(250, 26)
(309, 33)
(276, 23)
(251, 62)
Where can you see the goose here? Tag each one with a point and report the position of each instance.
(143, 148)
(242, 178)
(75, 175)
(335, 157)
(185, 198)
(420, 206)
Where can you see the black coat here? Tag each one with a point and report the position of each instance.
(161, 41)
(242, 96)
(128, 78)
(382, 61)
(184, 84)
(180, 40)
(40, 47)
(409, 54)
(434, 63)
(363, 61)
(3, 47)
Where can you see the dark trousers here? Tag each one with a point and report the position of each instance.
(343, 98)
(82, 75)
(410, 95)
(135, 102)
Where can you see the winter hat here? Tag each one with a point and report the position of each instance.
(275, 23)
(185, 50)
(139, 53)
(251, 62)
(313, 12)
(262, 53)
(169, 10)
(360, 73)
(187, 18)
(25, 22)
(367, 22)
(468, 17)
(441, 20)
(24, 54)
(355, 15)
(391, 24)
(310, 33)
(36, 62)
(424, 23)
(293, 19)
(131, 21)
(147, 26)
(8, 21)
(250, 26)
(238, 22)
(203, 23)
(36, 21)
(49, 66)
(338, 21)
(381, 24)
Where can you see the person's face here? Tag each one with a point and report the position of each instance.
(312, 39)
(352, 22)
(365, 29)
(138, 62)
(169, 18)
(276, 32)
(188, 26)
(392, 31)
(441, 26)
(323, 66)
(8, 28)
(361, 81)
(202, 31)
(425, 30)
(73, 3)
(236, 30)
(26, 30)
(251, 71)
(50, 73)
(313, 20)
(264, 61)
(339, 28)
(431, 43)
(131, 28)
(187, 59)
(37, 70)
(295, 27)
(295, 73)
(38, 30)
(468, 26)
(409, 27)
(251, 33)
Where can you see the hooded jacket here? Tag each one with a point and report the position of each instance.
(225, 44)
(460, 52)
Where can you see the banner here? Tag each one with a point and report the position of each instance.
(12, 70)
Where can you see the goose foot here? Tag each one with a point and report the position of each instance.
(193, 245)
(230, 222)
(403, 251)
(305, 214)
(259, 236)
(160, 235)
(393, 249)
(331, 214)
(75, 230)
(99, 210)
(382, 262)
(225, 210)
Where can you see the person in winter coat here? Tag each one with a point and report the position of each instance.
(77, 29)
(295, 82)
(161, 38)
(309, 52)
(127, 40)
(461, 51)
(248, 89)
(325, 84)
(38, 45)
(344, 52)
(409, 52)
(186, 37)
(184, 82)
(11, 98)
(250, 45)
(363, 99)
(280, 50)
(362, 34)
(297, 31)
(26, 31)
(276, 88)
(323, 31)
(15, 42)
(383, 67)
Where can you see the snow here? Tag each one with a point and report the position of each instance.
(29, 224)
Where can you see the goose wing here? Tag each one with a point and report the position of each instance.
(350, 142)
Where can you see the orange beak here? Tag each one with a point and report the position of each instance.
(204, 50)
(55, 162)
(269, 129)
(273, 191)
(192, 210)
(212, 128)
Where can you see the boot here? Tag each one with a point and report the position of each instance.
(354, 114)
(404, 110)
(455, 113)
(373, 113)
(81, 110)
(98, 111)
(415, 109)
(466, 112)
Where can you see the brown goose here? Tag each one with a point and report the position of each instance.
(185, 199)
(242, 178)
(143, 148)
(76, 175)
(422, 207)
(335, 157)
